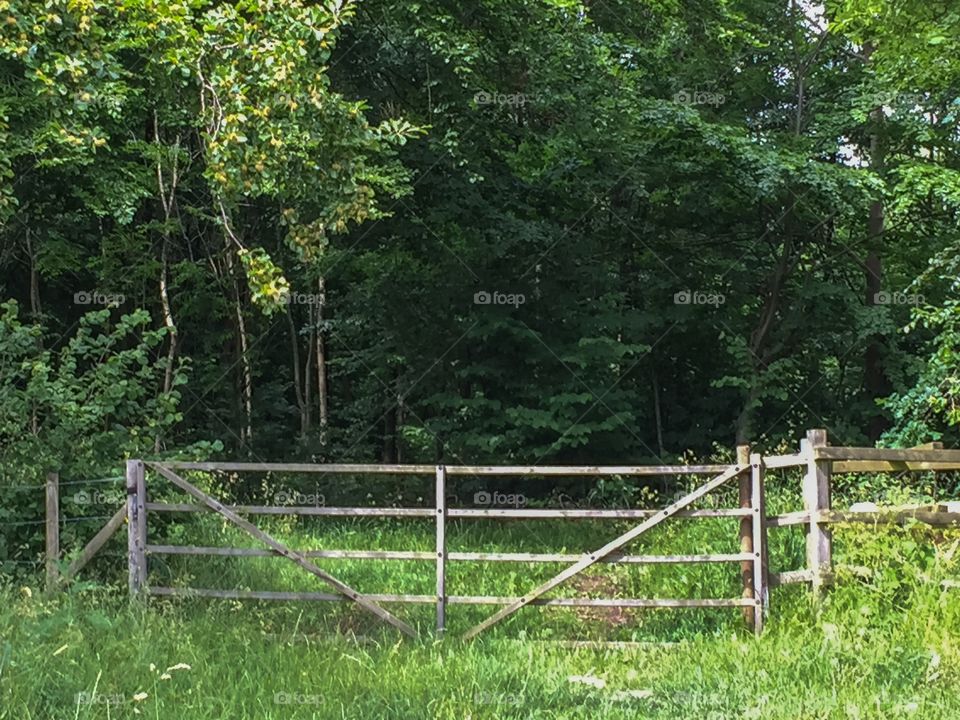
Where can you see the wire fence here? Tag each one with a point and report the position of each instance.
(81, 497)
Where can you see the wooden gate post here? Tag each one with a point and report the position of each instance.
(816, 499)
(746, 534)
(53, 531)
(759, 527)
(136, 526)
(441, 548)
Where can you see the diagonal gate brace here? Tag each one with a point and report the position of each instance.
(607, 549)
(282, 549)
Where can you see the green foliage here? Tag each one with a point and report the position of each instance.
(397, 159)
(87, 405)
(80, 409)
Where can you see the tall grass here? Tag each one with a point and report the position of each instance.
(883, 643)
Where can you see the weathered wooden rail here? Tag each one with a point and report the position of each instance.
(816, 458)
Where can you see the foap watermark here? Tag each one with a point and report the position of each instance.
(498, 298)
(289, 496)
(898, 298)
(298, 298)
(497, 98)
(95, 297)
(698, 297)
(892, 99)
(95, 698)
(499, 499)
(699, 97)
(485, 697)
(295, 698)
(98, 497)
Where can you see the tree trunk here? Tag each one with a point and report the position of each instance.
(389, 436)
(875, 381)
(322, 364)
(246, 387)
(168, 199)
(298, 390)
(35, 308)
(656, 413)
(759, 354)
(168, 322)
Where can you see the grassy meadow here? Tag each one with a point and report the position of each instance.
(884, 643)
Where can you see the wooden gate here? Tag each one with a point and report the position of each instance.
(751, 558)
(816, 459)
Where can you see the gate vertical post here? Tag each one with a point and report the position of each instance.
(746, 534)
(52, 554)
(760, 566)
(816, 499)
(441, 507)
(136, 526)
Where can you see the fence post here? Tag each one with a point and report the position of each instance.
(136, 527)
(53, 531)
(441, 548)
(816, 499)
(760, 566)
(746, 533)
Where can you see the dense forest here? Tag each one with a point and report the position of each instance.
(481, 231)
(616, 256)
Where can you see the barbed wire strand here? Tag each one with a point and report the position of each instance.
(93, 481)
(86, 518)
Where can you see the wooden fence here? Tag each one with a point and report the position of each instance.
(818, 460)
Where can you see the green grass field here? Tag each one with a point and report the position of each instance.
(881, 645)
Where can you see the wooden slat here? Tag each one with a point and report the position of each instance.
(141, 524)
(299, 468)
(759, 533)
(452, 599)
(296, 510)
(790, 577)
(745, 492)
(135, 508)
(441, 538)
(261, 552)
(614, 558)
(502, 513)
(572, 470)
(366, 469)
(881, 517)
(888, 454)
(605, 602)
(879, 466)
(787, 519)
(536, 513)
(607, 549)
(284, 595)
(773, 462)
(97, 542)
(286, 552)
